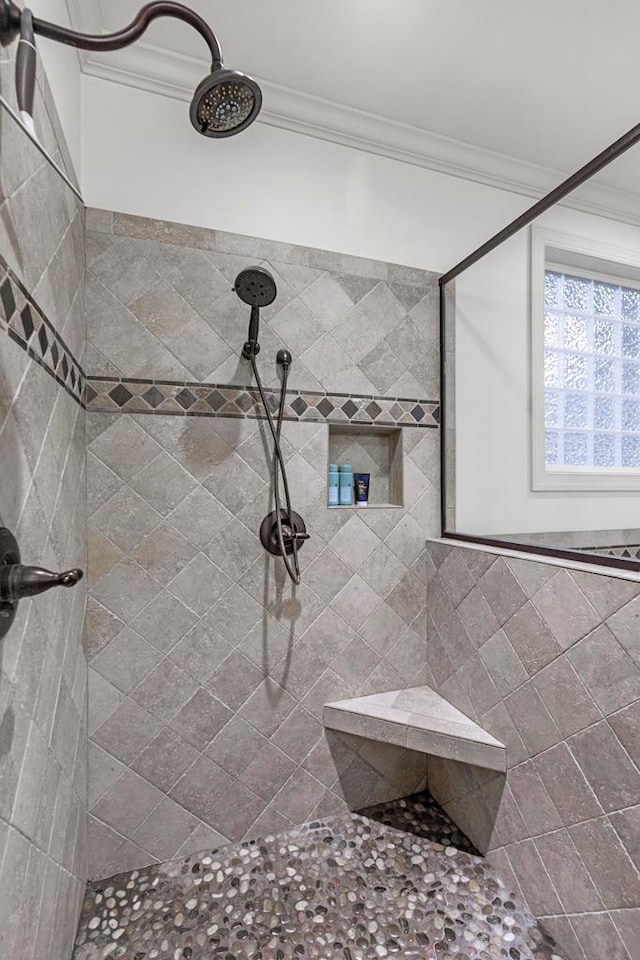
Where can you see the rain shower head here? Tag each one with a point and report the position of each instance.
(255, 286)
(226, 101)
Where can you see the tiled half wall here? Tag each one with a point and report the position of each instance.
(547, 659)
(208, 671)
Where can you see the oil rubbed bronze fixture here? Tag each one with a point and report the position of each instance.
(18, 581)
(282, 531)
(225, 103)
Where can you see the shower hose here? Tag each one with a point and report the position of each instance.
(293, 569)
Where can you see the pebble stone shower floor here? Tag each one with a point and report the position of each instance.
(397, 880)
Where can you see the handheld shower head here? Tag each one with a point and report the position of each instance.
(255, 286)
(225, 103)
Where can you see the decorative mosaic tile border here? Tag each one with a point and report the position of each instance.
(27, 326)
(223, 400)
(624, 551)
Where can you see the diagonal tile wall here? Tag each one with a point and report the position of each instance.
(161, 304)
(548, 660)
(43, 671)
(208, 671)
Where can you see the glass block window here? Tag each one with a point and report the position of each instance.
(591, 372)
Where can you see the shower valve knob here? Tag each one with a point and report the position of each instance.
(18, 581)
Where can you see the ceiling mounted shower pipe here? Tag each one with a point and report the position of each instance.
(224, 103)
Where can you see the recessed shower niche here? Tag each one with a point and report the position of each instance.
(373, 450)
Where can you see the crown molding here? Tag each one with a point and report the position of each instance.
(160, 71)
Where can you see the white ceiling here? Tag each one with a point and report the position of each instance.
(547, 83)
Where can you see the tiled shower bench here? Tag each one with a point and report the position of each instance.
(420, 719)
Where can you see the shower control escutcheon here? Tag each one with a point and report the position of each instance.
(18, 581)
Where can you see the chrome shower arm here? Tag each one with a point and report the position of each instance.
(10, 26)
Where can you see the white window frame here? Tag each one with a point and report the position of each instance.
(579, 256)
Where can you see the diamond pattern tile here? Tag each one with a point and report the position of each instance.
(554, 685)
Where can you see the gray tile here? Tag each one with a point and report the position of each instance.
(382, 571)
(531, 574)
(299, 732)
(566, 784)
(267, 707)
(164, 622)
(503, 664)
(625, 627)
(327, 574)
(478, 617)
(235, 746)
(565, 697)
(611, 869)
(534, 802)
(626, 725)
(234, 483)
(477, 684)
(237, 810)
(126, 590)
(200, 790)
(104, 770)
(200, 719)
(165, 759)
(610, 676)
(456, 577)
(164, 553)
(201, 652)
(126, 519)
(354, 663)
(565, 609)
(234, 614)
(355, 602)
(200, 584)
(124, 447)
(499, 724)
(200, 517)
(165, 830)
(298, 796)
(502, 591)
(165, 691)
(163, 483)
(407, 598)
(127, 660)
(267, 771)
(532, 719)
(627, 826)
(627, 924)
(381, 630)
(127, 803)
(456, 641)
(531, 638)
(598, 937)
(127, 732)
(235, 680)
(568, 873)
(606, 594)
(614, 778)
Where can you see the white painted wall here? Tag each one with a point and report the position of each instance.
(140, 155)
(493, 469)
(62, 67)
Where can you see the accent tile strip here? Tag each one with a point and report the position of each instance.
(26, 324)
(224, 400)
